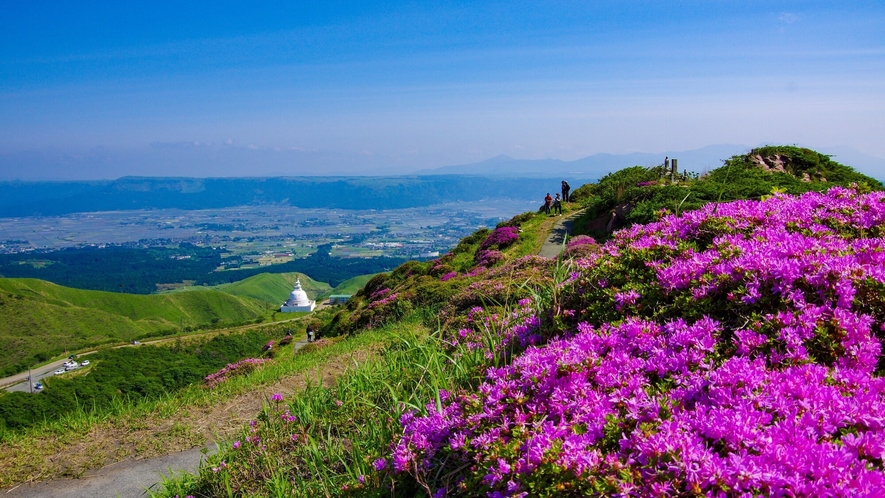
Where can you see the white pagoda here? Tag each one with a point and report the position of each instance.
(298, 300)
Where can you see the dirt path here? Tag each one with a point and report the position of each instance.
(126, 478)
(553, 244)
(124, 457)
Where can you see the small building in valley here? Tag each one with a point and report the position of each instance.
(298, 301)
(339, 298)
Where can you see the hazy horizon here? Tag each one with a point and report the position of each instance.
(203, 89)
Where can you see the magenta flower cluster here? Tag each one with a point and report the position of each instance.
(500, 238)
(239, 368)
(733, 351)
(580, 240)
(387, 299)
(448, 276)
(647, 183)
(379, 294)
(489, 257)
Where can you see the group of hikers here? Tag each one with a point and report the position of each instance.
(556, 202)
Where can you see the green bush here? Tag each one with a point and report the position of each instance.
(130, 373)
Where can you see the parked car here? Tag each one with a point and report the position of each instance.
(59, 371)
(135, 343)
(38, 386)
(84, 363)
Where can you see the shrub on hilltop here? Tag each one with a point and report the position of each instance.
(642, 195)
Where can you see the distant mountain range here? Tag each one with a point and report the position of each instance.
(598, 165)
(496, 178)
(592, 167)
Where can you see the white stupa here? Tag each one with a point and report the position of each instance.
(298, 300)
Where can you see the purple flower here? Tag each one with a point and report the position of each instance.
(448, 276)
(500, 238)
(751, 368)
(625, 298)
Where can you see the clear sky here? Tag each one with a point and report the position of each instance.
(105, 89)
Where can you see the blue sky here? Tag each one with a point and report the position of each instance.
(102, 89)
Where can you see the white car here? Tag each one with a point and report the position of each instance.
(84, 363)
(59, 371)
(38, 386)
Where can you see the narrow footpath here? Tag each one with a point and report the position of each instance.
(553, 244)
(130, 477)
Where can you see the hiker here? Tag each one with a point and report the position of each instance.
(310, 333)
(565, 189)
(557, 205)
(547, 201)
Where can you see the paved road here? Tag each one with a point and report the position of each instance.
(18, 382)
(553, 245)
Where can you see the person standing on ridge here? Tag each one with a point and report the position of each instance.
(547, 201)
(557, 205)
(565, 189)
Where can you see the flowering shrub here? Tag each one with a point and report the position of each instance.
(734, 350)
(389, 298)
(500, 238)
(379, 294)
(489, 258)
(647, 184)
(580, 240)
(448, 276)
(580, 246)
(241, 367)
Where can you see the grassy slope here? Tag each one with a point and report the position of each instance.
(350, 286)
(41, 317)
(189, 418)
(274, 287)
(271, 288)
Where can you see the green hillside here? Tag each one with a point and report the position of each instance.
(41, 319)
(273, 288)
(350, 286)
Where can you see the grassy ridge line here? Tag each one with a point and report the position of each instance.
(349, 286)
(271, 288)
(275, 287)
(41, 319)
